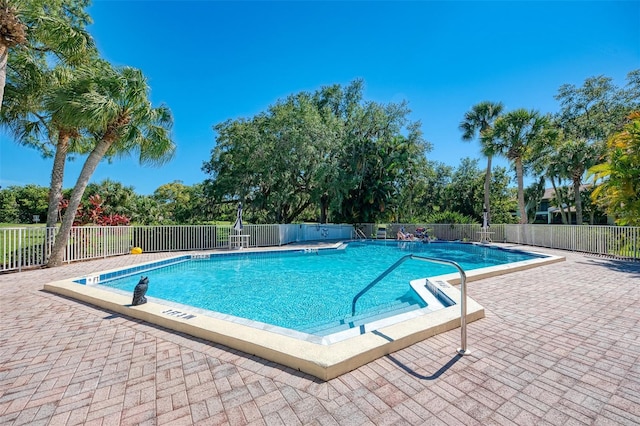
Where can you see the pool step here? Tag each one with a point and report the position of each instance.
(349, 322)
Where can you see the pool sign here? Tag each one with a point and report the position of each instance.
(442, 284)
(92, 279)
(178, 314)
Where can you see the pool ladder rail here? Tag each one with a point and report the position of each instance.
(462, 350)
(360, 235)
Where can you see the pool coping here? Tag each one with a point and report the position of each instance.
(325, 361)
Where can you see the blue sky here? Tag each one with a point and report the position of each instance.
(210, 61)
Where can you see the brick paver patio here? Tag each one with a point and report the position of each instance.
(560, 345)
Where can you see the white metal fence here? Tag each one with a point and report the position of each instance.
(615, 241)
(30, 247)
(22, 247)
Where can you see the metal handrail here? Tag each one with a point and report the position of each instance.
(462, 350)
(360, 234)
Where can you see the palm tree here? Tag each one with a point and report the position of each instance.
(576, 157)
(547, 163)
(113, 107)
(32, 124)
(39, 39)
(517, 135)
(533, 195)
(12, 33)
(553, 170)
(479, 121)
(42, 32)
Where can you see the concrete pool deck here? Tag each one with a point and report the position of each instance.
(559, 344)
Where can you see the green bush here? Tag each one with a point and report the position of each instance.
(450, 217)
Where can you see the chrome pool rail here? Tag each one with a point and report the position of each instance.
(359, 234)
(462, 350)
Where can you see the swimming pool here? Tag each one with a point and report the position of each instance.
(312, 290)
(328, 352)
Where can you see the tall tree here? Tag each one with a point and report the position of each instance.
(533, 196)
(553, 170)
(326, 151)
(200, 209)
(33, 123)
(175, 200)
(12, 33)
(517, 134)
(547, 162)
(589, 115)
(575, 157)
(598, 108)
(377, 156)
(65, 135)
(271, 161)
(423, 191)
(503, 196)
(51, 38)
(464, 193)
(43, 32)
(478, 121)
(337, 106)
(618, 177)
(115, 109)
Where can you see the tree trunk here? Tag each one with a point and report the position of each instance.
(4, 55)
(293, 214)
(577, 200)
(90, 165)
(487, 189)
(324, 207)
(55, 188)
(556, 195)
(520, 178)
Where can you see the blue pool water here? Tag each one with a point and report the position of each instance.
(304, 289)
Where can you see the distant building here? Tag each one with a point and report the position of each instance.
(549, 212)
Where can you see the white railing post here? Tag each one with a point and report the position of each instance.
(20, 250)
